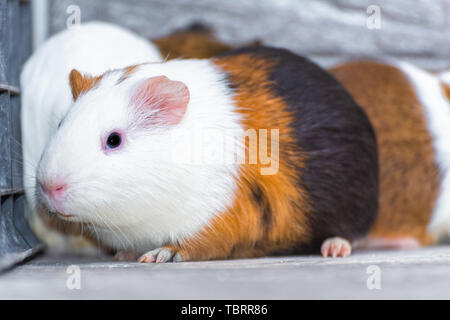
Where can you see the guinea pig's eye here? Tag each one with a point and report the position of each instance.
(114, 140)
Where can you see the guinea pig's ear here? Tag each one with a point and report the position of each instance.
(81, 83)
(160, 100)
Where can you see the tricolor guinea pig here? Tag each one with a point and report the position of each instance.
(256, 152)
(94, 48)
(410, 111)
(46, 96)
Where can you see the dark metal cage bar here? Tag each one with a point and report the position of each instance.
(17, 242)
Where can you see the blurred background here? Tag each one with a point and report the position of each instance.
(325, 30)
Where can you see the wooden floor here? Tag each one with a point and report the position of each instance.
(422, 274)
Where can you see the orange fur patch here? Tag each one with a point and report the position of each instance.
(81, 83)
(446, 89)
(406, 154)
(190, 44)
(198, 44)
(128, 71)
(269, 212)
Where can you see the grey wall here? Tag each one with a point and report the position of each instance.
(327, 30)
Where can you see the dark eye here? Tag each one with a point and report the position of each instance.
(114, 140)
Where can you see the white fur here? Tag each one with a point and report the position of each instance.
(148, 193)
(93, 48)
(437, 111)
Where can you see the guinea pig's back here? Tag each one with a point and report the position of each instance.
(411, 117)
(336, 155)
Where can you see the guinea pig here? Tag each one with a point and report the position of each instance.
(286, 163)
(410, 112)
(46, 96)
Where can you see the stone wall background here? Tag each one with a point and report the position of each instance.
(325, 30)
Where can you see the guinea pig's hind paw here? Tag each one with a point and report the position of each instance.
(336, 247)
(161, 255)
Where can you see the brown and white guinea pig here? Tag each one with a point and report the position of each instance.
(93, 47)
(410, 111)
(287, 161)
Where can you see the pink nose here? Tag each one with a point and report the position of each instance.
(54, 190)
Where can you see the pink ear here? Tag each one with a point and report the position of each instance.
(160, 100)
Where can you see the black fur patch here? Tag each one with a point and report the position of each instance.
(341, 172)
(197, 26)
(264, 207)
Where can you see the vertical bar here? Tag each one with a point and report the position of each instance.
(11, 241)
(4, 42)
(20, 223)
(14, 36)
(17, 241)
(5, 146)
(25, 31)
(40, 13)
(15, 143)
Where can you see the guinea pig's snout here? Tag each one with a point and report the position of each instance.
(53, 195)
(55, 189)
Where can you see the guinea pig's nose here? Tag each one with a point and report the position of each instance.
(53, 189)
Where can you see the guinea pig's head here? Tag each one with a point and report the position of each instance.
(107, 157)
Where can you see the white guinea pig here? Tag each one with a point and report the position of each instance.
(93, 47)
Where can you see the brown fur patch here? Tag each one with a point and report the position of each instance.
(446, 89)
(409, 180)
(190, 44)
(269, 212)
(128, 71)
(81, 83)
(194, 44)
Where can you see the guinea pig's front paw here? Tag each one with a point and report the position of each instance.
(336, 247)
(161, 255)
